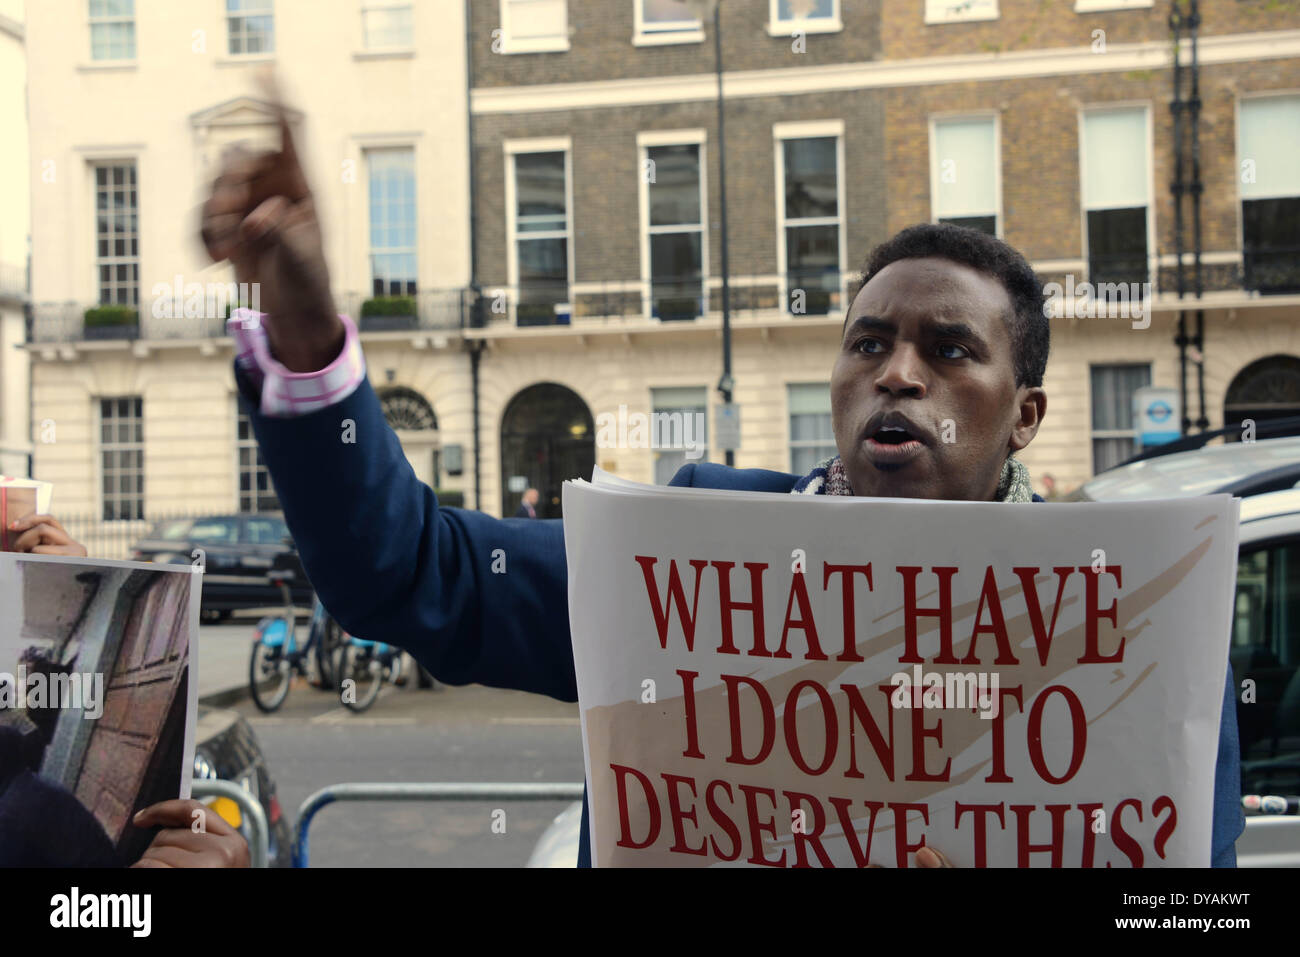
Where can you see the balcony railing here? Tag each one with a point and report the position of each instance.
(13, 281)
(54, 322)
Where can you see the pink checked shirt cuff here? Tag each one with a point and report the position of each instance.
(287, 394)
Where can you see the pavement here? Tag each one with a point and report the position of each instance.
(448, 734)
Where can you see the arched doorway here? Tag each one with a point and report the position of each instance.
(547, 436)
(1268, 388)
(410, 415)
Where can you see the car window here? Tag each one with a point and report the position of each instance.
(1265, 652)
(214, 531)
(171, 530)
(266, 531)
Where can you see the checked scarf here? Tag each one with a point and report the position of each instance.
(829, 477)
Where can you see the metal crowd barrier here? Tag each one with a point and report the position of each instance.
(260, 834)
(422, 792)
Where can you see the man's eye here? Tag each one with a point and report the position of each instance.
(869, 346)
(950, 350)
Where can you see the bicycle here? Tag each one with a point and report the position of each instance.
(276, 656)
(366, 665)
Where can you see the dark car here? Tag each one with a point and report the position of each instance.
(226, 748)
(237, 552)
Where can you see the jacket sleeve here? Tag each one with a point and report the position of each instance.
(475, 599)
(1229, 819)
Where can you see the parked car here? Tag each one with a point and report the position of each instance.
(1265, 643)
(225, 747)
(238, 551)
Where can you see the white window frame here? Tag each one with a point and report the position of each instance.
(1098, 6)
(1121, 107)
(368, 6)
(512, 148)
(777, 27)
(112, 260)
(259, 465)
(245, 55)
(789, 435)
(960, 17)
(812, 129)
(1236, 146)
(664, 34)
(708, 411)
(386, 147)
(93, 21)
(645, 140)
(938, 118)
(1094, 434)
(114, 446)
(533, 44)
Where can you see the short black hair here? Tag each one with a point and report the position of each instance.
(1030, 333)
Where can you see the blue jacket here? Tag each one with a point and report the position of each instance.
(391, 565)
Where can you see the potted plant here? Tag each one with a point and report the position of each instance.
(111, 322)
(535, 314)
(389, 312)
(677, 308)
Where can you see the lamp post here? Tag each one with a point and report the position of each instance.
(711, 9)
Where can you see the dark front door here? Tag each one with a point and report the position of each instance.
(547, 436)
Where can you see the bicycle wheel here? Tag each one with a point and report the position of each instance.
(360, 677)
(329, 651)
(269, 675)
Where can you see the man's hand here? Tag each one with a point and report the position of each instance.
(927, 856)
(262, 218)
(215, 844)
(43, 535)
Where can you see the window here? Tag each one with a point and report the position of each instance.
(810, 213)
(265, 530)
(1266, 650)
(965, 172)
(534, 26)
(681, 423)
(1114, 434)
(1115, 169)
(666, 21)
(674, 246)
(538, 190)
(1268, 144)
(117, 243)
(958, 11)
(256, 494)
(214, 531)
(121, 457)
(807, 16)
(112, 29)
(386, 24)
(250, 26)
(811, 438)
(391, 174)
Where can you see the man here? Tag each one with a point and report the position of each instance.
(527, 506)
(936, 384)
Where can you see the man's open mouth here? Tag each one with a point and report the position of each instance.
(892, 440)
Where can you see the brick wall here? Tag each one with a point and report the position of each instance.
(1041, 24)
(601, 45)
(1040, 149)
(605, 178)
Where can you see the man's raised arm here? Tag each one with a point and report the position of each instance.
(473, 598)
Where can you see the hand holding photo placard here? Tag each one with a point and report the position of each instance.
(840, 681)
